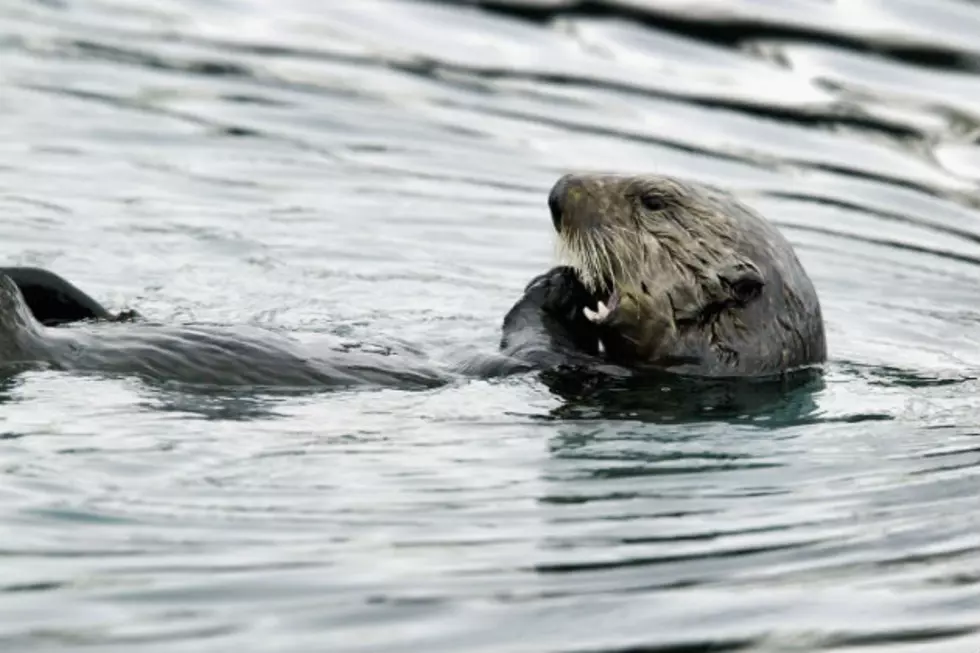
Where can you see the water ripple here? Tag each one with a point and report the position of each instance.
(377, 170)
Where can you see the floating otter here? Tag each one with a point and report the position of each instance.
(661, 275)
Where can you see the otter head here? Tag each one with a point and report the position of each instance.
(685, 276)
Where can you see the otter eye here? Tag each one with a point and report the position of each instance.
(746, 290)
(653, 202)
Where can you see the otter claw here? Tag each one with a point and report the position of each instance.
(598, 315)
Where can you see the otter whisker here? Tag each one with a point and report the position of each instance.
(606, 258)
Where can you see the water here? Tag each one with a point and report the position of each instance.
(369, 170)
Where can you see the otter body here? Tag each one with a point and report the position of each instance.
(88, 338)
(660, 274)
(47, 322)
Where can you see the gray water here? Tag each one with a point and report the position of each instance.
(365, 170)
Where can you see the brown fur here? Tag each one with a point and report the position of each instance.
(705, 284)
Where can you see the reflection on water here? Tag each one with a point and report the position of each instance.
(377, 170)
(654, 398)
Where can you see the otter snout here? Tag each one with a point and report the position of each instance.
(556, 201)
(573, 203)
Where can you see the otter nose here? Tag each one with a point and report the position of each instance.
(556, 200)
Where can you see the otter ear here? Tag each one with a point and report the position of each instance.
(743, 281)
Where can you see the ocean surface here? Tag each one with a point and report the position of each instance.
(368, 169)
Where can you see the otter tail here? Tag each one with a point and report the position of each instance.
(20, 334)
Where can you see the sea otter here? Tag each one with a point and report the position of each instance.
(660, 274)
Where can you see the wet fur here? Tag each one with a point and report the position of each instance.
(707, 286)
